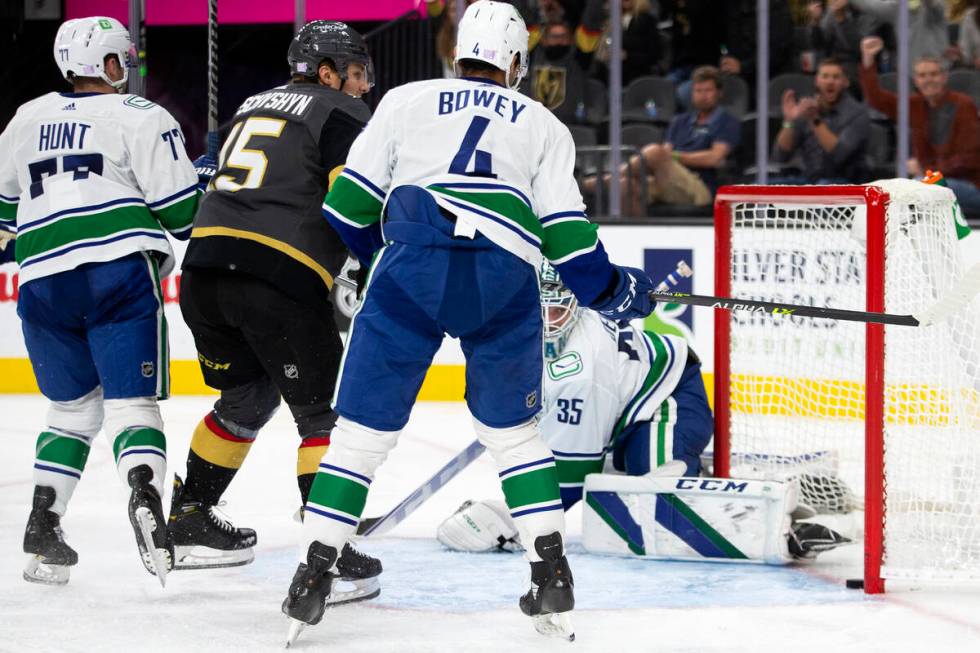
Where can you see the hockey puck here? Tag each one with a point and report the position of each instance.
(854, 584)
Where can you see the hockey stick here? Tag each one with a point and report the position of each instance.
(955, 300)
(213, 79)
(381, 525)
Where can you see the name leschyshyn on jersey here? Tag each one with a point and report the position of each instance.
(294, 103)
(92, 177)
(494, 158)
(606, 379)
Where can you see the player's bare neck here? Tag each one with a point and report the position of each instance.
(91, 85)
(495, 76)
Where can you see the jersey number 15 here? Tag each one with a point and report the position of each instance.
(236, 153)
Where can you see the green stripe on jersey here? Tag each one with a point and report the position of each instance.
(81, 227)
(179, 214)
(657, 367)
(353, 202)
(563, 238)
(8, 211)
(575, 471)
(136, 437)
(538, 486)
(339, 493)
(62, 450)
(503, 203)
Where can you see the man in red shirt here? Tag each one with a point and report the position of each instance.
(945, 128)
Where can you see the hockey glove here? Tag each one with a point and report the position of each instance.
(205, 167)
(628, 299)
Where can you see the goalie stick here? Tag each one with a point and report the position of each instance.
(381, 525)
(964, 292)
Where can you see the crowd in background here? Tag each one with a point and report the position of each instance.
(688, 73)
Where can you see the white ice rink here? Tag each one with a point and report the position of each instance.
(432, 600)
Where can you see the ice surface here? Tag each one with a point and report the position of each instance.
(432, 599)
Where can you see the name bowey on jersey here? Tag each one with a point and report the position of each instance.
(606, 379)
(105, 176)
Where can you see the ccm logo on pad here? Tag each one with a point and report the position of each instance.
(711, 484)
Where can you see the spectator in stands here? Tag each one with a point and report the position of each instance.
(557, 75)
(738, 49)
(696, 35)
(684, 169)
(828, 131)
(642, 47)
(968, 50)
(945, 130)
(927, 24)
(837, 32)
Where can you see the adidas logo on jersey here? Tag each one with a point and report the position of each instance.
(68, 107)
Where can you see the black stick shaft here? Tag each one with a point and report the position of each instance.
(213, 79)
(780, 309)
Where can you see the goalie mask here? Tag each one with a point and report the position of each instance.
(82, 45)
(328, 39)
(559, 311)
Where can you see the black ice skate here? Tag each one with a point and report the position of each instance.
(808, 539)
(551, 596)
(310, 589)
(202, 538)
(357, 577)
(146, 516)
(51, 558)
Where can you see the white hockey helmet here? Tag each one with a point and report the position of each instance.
(82, 44)
(559, 310)
(493, 32)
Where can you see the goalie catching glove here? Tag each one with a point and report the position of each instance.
(479, 526)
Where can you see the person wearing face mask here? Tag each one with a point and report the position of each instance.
(945, 131)
(558, 76)
(642, 47)
(828, 130)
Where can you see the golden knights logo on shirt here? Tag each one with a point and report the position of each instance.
(548, 85)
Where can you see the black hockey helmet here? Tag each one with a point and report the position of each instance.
(328, 39)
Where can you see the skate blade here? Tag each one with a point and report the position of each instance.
(157, 561)
(351, 591)
(295, 628)
(557, 625)
(39, 571)
(203, 557)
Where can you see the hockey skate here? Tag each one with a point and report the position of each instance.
(309, 590)
(146, 516)
(357, 578)
(808, 539)
(51, 558)
(551, 596)
(202, 537)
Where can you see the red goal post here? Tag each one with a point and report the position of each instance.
(782, 399)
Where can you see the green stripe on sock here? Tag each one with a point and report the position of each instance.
(536, 486)
(54, 448)
(575, 471)
(599, 510)
(706, 529)
(138, 437)
(339, 493)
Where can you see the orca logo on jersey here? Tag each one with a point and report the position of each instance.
(486, 97)
(549, 86)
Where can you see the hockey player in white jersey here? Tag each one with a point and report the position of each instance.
(628, 402)
(91, 181)
(475, 183)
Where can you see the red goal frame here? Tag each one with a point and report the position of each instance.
(875, 200)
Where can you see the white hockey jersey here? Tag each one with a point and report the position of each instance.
(90, 177)
(606, 379)
(496, 159)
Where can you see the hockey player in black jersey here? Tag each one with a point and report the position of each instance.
(256, 289)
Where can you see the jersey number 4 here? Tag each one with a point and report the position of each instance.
(482, 164)
(236, 153)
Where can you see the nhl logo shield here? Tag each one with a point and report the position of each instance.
(291, 371)
(531, 399)
(146, 369)
(549, 86)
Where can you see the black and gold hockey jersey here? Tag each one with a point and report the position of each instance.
(261, 215)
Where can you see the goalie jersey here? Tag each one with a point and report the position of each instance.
(91, 177)
(606, 379)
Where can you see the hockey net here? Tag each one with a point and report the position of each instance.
(867, 417)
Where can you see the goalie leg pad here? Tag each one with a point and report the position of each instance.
(685, 518)
(479, 526)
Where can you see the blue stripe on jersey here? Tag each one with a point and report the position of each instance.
(564, 454)
(10, 200)
(364, 180)
(564, 214)
(187, 190)
(524, 235)
(490, 186)
(105, 241)
(82, 209)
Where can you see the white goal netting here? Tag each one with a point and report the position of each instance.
(797, 390)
